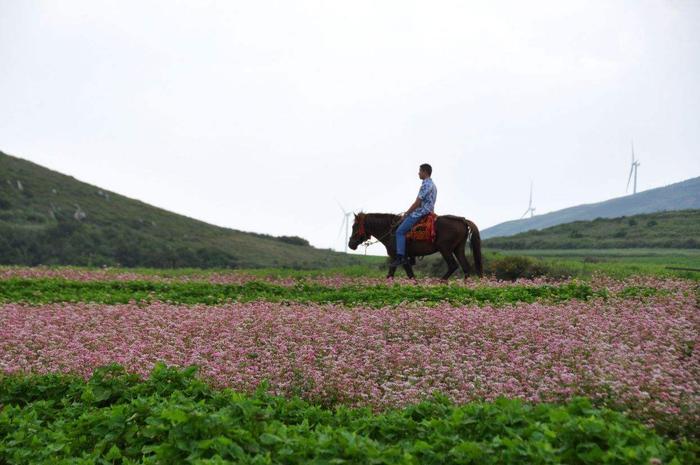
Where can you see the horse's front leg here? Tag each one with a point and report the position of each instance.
(390, 274)
(409, 271)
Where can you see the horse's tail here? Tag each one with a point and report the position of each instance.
(475, 242)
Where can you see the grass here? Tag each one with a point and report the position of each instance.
(579, 263)
(616, 262)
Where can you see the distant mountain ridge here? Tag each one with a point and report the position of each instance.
(683, 195)
(49, 218)
(679, 229)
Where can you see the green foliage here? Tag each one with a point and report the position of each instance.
(512, 268)
(173, 417)
(672, 229)
(504, 267)
(38, 226)
(39, 291)
(294, 240)
(618, 263)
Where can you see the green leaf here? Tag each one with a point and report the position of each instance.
(114, 453)
(269, 439)
(175, 415)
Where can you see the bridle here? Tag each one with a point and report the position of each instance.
(361, 231)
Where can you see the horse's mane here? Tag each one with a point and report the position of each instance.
(381, 216)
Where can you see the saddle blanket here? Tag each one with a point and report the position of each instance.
(424, 230)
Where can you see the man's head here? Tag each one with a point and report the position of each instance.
(425, 171)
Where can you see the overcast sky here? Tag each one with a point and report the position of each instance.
(258, 115)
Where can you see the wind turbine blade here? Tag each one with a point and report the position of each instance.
(530, 202)
(525, 214)
(342, 226)
(629, 178)
(632, 144)
(341, 207)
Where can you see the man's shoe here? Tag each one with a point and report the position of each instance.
(398, 261)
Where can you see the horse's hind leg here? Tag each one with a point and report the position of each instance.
(462, 258)
(409, 271)
(451, 263)
(392, 270)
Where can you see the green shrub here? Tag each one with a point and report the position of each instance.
(515, 267)
(294, 240)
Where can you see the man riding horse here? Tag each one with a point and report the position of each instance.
(422, 206)
(449, 236)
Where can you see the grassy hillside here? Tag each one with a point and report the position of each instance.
(673, 229)
(679, 196)
(50, 218)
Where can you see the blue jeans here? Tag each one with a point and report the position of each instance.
(404, 227)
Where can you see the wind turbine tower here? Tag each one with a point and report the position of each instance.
(345, 223)
(530, 208)
(633, 169)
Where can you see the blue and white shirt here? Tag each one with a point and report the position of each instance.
(427, 194)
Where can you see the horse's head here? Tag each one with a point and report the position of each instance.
(359, 234)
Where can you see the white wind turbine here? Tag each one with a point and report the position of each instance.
(345, 223)
(633, 169)
(530, 208)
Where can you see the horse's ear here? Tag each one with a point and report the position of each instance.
(355, 215)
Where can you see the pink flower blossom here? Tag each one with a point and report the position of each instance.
(641, 353)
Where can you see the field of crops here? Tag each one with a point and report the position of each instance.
(337, 369)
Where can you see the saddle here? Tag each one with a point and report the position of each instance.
(424, 230)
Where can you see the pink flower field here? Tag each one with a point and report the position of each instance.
(241, 277)
(335, 281)
(641, 354)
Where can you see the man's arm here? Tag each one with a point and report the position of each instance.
(413, 206)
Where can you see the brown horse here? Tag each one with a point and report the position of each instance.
(452, 234)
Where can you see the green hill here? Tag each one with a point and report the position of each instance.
(683, 195)
(50, 218)
(670, 229)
